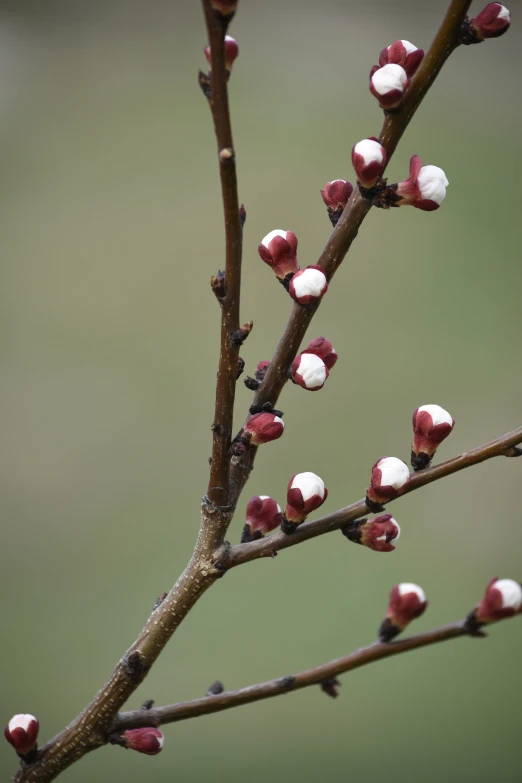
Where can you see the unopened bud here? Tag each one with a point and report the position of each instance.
(148, 740)
(309, 371)
(503, 598)
(22, 732)
(323, 348)
(389, 477)
(376, 534)
(369, 161)
(305, 493)
(402, 53)
(231, 52)
(431, 425)
(263, 514)
(407, 602)
(493, 20)
(263, 427)
(425, 188)
(278, 249)
(336, 195)
(308, 285)
(388, 84)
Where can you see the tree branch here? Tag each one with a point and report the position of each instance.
(218, 488)
(266, 547)
(266, 690)
(347, 228)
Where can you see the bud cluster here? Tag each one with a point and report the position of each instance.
(278, 249)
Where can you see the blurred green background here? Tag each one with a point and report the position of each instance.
(111, 227)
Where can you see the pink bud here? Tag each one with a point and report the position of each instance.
(263, 514)
(309, 371)
(305, 493)
(324, 349)
(22, 733)
(378, 533)
(389, 477)
(407, 602)
(147, 740)
(278, 249)
(388, 84)
(231, 52)
(336, 195)
(431, 425)
(369, 161)
(425, 188)
(308, 285)
(263, 427)
(402, 53)
(503, 598)
(493, 20)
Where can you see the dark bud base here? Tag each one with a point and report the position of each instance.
(375, 508)
(388, 630)
(247, 536)
(420, 461)
(352, 531)
(288, 527)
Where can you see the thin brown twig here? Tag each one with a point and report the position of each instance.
(218, 487)
(266, 547)
(266, 690)
(348, 226)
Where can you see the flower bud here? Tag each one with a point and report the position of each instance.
(308, 285)
(22, 732)
(388, 84)
(376, 534)
(407, 602)
(493, 20)
(305, 493)
(309, 371)
(278, 249)
(389, 477)
(323, 348)
(503, 598)
(336, 195)
(263, 427)
(402, 53)
(231, 52)
(431, 425)
(425, 188)
(263, 514)
(369, 161)
(148, 740)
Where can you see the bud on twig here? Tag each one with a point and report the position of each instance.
(308, 285)
(425, 188)
(389, 476)
(215, 689)
(330, 687)
(309, 371)
(22, 732)
(336, 195)
(503, 598)
(263, 515)
(278, 249)
(407, 602)
(262, 428)
(388, 84)
(231, 52)
(305, 493)
(148, 740)
(323, 348)
(431, 425)
(494, 20)
(254, 383)
(376, 534)
(369, 161)
(402, 53)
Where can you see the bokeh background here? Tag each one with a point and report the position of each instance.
(111, 227)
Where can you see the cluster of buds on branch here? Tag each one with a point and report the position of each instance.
(391, 78)
(311, 367)
(278, 249)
